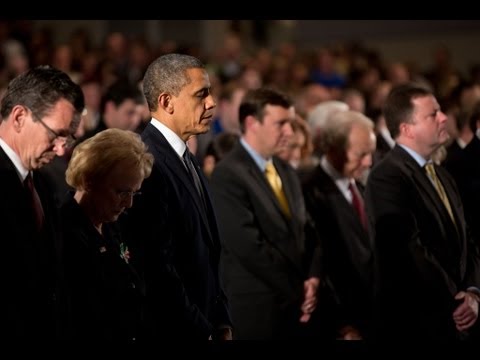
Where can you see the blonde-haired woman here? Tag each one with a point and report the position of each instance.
(105, 294)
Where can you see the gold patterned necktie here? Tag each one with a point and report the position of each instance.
(276, 184)
(440, 189)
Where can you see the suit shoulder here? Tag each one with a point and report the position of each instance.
(388, 165)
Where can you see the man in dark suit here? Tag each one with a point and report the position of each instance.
(428, 267)
(172, 227)
(262, 220)
(333, 197)
(465, 169)
(40, 110)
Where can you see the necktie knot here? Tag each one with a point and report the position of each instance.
(276, 184)
(431, 170)
(28, 182)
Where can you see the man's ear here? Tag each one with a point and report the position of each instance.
(18, 116)
(251, 121)
(165, 102)
(405, 129)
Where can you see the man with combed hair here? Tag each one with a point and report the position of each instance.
(172, 225)
(267, 268)
(334, 200)
(40, 112)
(428, 265)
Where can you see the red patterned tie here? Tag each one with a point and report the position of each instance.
(34, 201)
(357, 203)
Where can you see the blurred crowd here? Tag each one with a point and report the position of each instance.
(338, 131)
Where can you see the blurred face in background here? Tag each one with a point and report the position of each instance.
(275, 131)
(123, 116)
(292, 152)
(361, 145)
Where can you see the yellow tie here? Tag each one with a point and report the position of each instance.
(276, 184)
(440, 189)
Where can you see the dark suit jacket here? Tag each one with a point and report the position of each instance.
(347, 251)
(381, 149)
(262, 250)
(466, 172)
(31, 267)
(105, 293)
(423, 259)
(175, 240)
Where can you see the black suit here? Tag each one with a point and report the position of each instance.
(174, 239)
(262, 249)
(347, 252)
(382, 148)
(31, 267)
(423, 259)
(105, 294)
(466, 172)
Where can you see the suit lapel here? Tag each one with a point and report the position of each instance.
(337, 200)
(433, 200)
(286, 186)
(453, 199)
(14, 197)
(163, 152)
(255, 172)
(259, 181)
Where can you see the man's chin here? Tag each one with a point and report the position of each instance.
(204, 129)
(444, 137)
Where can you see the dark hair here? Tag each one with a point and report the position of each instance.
(221, 145)
(119, 92)
(474, 117)
(167, 74)
(40, 89)
(398, 107)
(254, 103)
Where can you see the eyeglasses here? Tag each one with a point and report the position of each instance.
(123, 194)
(67, 140)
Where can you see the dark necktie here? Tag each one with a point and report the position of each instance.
(357, 203)
(193, 173)
(34, 202)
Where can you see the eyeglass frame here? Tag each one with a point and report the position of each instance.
(69, 140)
(125, 194)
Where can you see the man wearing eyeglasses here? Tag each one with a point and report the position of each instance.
(40, 110)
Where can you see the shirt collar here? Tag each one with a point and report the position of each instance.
(15, 159)
(173, 139)
(259, 160)
(418, 158)
(341, 181)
